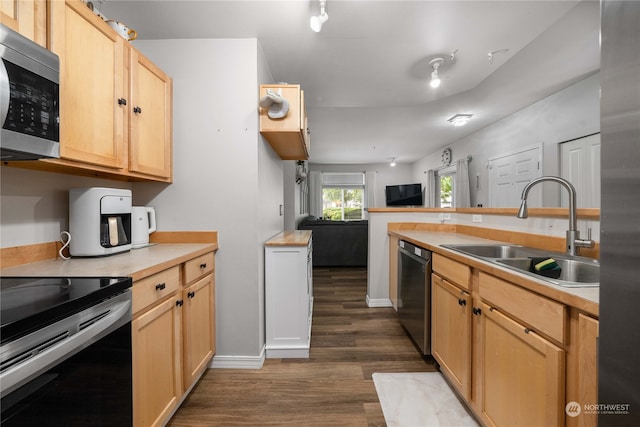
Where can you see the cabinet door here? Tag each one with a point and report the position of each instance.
(28, 17)
(288, 136)
(522, 374)
(198, 327)
(451, 332)
(288, 301)
(150, 147)
(156, 347)
(587, 369)
(91, 83)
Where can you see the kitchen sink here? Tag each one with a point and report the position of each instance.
(491, 251)
(576, 272)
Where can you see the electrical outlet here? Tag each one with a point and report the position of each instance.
(447, 217)
(441, 216)
(476, 218)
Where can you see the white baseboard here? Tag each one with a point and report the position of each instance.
(238, 362)
(382, 302)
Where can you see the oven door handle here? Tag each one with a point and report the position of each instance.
(20, 374)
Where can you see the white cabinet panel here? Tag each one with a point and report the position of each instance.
(289, 300)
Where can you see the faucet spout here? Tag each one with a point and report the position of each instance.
(573, 235)
(566, 184)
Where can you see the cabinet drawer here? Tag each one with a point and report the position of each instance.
(542, 314)
(454, 271)
(154, 288)
(198, 267)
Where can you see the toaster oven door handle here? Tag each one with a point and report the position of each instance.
(4, 93)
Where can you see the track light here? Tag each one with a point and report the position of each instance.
(393, 162)
(435, 79)
(316, 21)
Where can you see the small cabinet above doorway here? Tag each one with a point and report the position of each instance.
(288, 135)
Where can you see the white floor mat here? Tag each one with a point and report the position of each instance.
(421, 399)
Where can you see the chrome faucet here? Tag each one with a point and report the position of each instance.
(574, 242)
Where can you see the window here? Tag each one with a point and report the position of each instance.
(343, 196)
(444, 187)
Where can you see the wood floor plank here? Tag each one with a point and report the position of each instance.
(333, 387)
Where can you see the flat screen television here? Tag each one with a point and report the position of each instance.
(404, 195)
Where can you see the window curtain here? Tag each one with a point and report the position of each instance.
(315, 193)
(370, 190)
(430, 189)
(462, 195)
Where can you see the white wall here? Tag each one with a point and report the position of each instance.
(226, 178)
(568, 114)
(34, 206)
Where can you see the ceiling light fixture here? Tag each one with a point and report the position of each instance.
(393, 162)
(317, 21)
(435, 79)
(460, 119)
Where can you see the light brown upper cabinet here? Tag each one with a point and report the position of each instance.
(93, 94)
(289, 135)
(27, 17)
(150, 138)
(115, 104)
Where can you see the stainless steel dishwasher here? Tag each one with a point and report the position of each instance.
(414, 293)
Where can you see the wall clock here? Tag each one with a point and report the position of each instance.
(446, 157)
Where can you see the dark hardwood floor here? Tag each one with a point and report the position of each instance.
(333, 387)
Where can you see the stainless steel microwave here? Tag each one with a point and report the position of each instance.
(29, 99)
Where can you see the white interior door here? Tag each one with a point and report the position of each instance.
(508, 174)
(580, 165)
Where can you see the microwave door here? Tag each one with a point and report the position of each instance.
(30, 128)
(29, 99)
(4, 93)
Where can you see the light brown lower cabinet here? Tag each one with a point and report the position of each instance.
(198, 328)
(157, 380)
(173, 336)
(587, 369)
(451, 332)
(522, 374)
(516, 357)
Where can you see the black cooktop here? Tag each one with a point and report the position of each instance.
(30, 303)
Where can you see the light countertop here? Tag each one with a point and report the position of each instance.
(290, 238)
(136, 263)
(586, 299)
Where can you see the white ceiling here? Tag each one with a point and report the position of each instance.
(366, 74)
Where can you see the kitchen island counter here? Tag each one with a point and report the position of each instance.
(586, 298)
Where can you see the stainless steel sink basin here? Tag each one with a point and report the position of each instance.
(573, 273)
(576, 272)
(491, 251)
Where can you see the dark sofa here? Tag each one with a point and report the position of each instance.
(338, 243)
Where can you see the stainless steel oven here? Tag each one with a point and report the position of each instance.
(29, 98)
(414, 293)
(65, 352)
